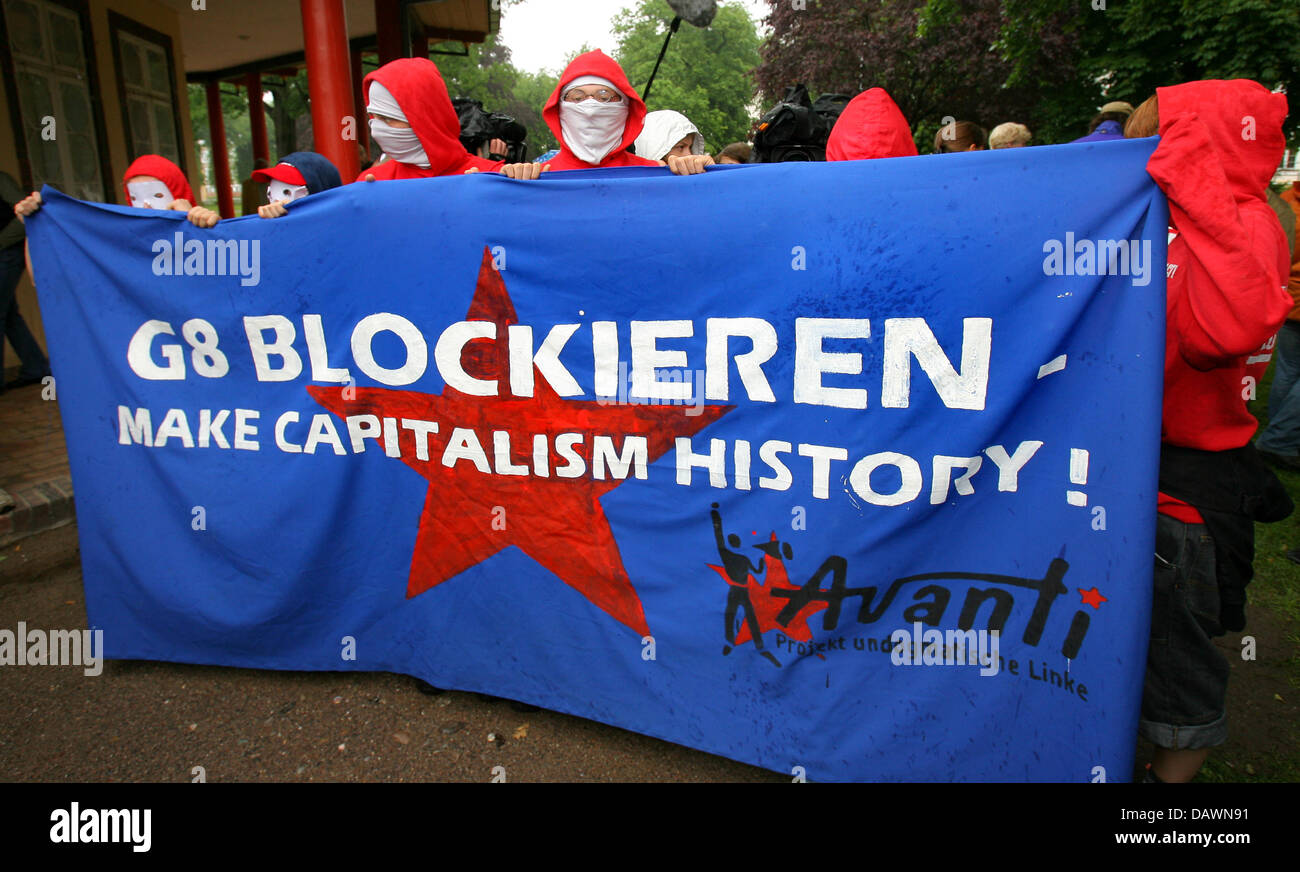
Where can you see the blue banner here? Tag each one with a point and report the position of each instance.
(846, 470)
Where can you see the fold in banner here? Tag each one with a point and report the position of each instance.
(846, 470)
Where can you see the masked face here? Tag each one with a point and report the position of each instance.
(399, 143)
(149, 193)
(283, 192)
(592, 130)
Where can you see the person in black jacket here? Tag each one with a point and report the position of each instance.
(35, 366)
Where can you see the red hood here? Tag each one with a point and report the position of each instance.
(1227, 262)
(418, 88)
(597, 63)
(871, 126)
(164, 171)
(1244, 122)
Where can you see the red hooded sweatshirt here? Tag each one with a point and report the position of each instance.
(597, 63)
(871, 126)
(164, 171)
(1220, 142)
(417, 86)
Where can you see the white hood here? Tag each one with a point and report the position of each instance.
(663, 129)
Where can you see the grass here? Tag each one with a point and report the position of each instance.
(1276, 585)
(1276, 589)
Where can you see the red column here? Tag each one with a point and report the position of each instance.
(329, 81)
(388, 30)
(220, 157)
(359, 101)
(257, 117)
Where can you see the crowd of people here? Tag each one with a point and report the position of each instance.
(1107, 124)
(1230, 258)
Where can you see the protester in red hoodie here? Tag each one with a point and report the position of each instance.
(412, 119)
(150, 182)
(1226, 298)
(596, 115)
(870, 126)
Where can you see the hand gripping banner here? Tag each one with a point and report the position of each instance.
(846, 470)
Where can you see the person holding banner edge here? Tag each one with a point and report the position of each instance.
(150, 182)
(35, 366)
(412, 119)
(1226, 298)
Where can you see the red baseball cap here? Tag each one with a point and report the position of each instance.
(281, 172)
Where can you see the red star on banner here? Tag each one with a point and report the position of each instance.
(1092, 597)
(767, 606)
(558, 522)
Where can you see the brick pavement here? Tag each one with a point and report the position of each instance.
(33, 464)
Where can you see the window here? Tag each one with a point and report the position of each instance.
(146, 89)
(54, 88)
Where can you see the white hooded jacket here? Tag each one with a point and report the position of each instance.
(663, 129)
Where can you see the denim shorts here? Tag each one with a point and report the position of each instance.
(1187, 674)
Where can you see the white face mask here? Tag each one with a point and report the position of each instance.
(399, 143)
(592, 130)
(149, 195)
(283, 192)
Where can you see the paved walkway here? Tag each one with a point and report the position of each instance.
(33, 464)
(142, 720)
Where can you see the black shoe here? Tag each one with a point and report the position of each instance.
(428, 689)
(1293, 555)
(1281, 461)
(1150, 776)
(514, 704)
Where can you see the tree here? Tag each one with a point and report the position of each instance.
(486, 74)
(936, 59)
(1141, 45)
(289, 102)
(1131, 47)
(706, 73)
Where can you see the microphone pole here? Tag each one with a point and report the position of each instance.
(672, 28)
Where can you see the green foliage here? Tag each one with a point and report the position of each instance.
(488, 75)
(1144, 44)
(936, 58)
(239, 139)
(1131, 47)
(1277, 580)
(288, 102)
(706, 73)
